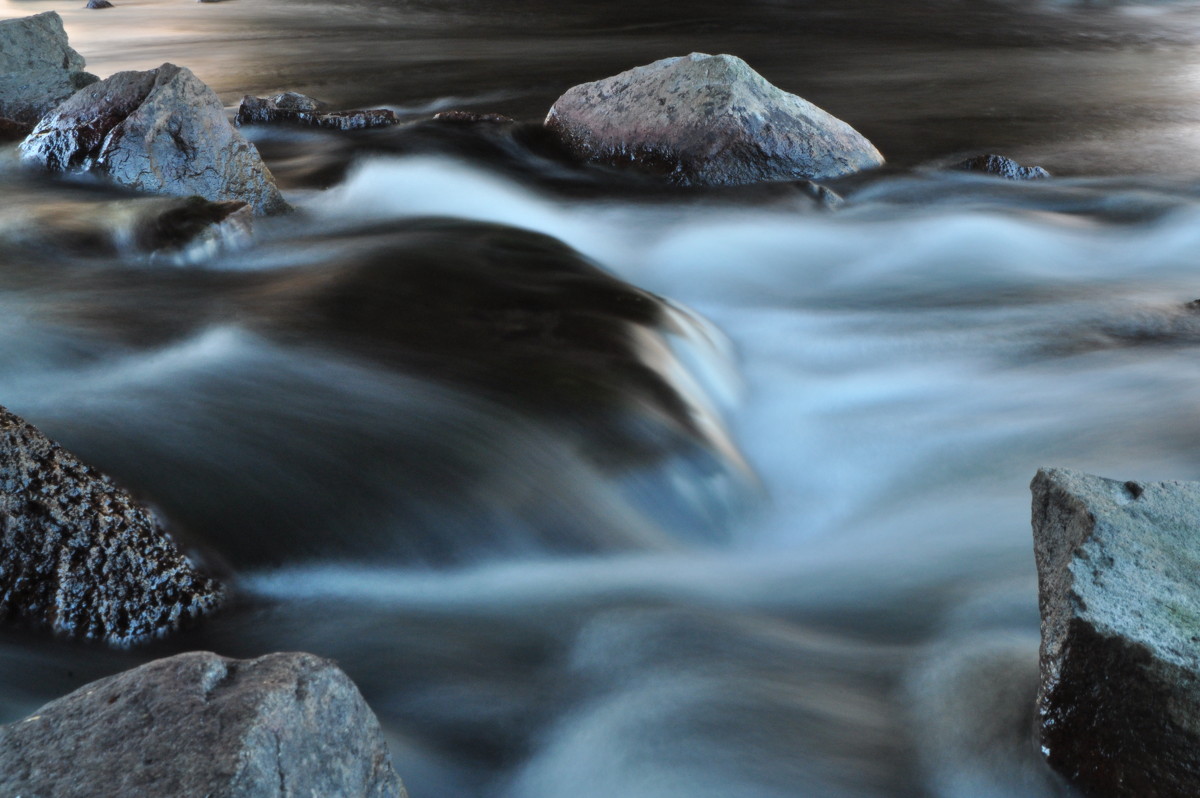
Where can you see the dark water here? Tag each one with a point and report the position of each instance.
(598, 488)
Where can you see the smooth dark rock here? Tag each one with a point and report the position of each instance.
(38, 69)
(12, 130)
(183, 223)
(471, 117)
(79, 556)
(201, 725)
(1000, 166)
(297, 109)
(706, 120)
(162, 131)
(98, 4)
(1118, 565)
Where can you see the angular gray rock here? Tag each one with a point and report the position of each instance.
(79, 556)
(38, 69)
(1119, 591)
(198, 724)
(291, 107)
(706, 120)
(1000, 166)
(162, 131)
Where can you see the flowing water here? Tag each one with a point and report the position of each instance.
(598, 488)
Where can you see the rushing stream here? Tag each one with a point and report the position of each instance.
(598, 488)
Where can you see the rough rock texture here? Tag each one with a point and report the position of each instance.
(162, 131)
(1000, 166)
(98, 4)
(202, 725)
(706, 120)
(471, 117)
(79, 556)
(1119, 589)
(38, 69)
(297, 109)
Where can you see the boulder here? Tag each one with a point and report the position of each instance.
(706, 120)
(1000, 166)
(297, 109)
(162, 131)
(1119, 591)
(38, 69)
(98, 4)
(198, 724)
(79, 556)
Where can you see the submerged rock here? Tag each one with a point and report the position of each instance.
(162, 131)
(79, 556)
(471, 117)
(706, 120)
(198, 724)
(297, 109)
(1119, 702)
(1000, 166)
(38, 69)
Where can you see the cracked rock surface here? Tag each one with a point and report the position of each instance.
(1119, 591)
(162, 131)
(79, 556)
(197, 724)
(38, 69)
(706, 120)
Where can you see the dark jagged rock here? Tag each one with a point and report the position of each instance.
(297, 109)
(162, 131)
(98, 4)
(1000, 166)
(202, 725)
(706, 120)
(471, 117)
(1119, 701)
(12, 130)
(38, 69)
(79, 556)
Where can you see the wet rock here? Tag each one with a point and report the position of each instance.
(1000, 166)
(202, 725)
(471, 117)
(12, 130)
(162, 131)
(98, 4)
(297, 109)
(79, 556)
(706, 120)
(38, 69)
(1119, 701)
(189, 222)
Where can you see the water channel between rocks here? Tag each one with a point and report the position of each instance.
(762, 531)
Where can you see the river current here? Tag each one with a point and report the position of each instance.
(598, 488)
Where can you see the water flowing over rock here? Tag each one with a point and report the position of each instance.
(297, 109)
(162, 131)
(1000, 166)
(198, 724)
(79, 556)
(1119, 701)
(38, 69)
(706, 120)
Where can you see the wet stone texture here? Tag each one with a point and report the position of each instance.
(202, 725)
(706, 120)
(1000, 166)
(79, 557)
(162, 131)
(297, 109)
(38, 69)
(1119, 700)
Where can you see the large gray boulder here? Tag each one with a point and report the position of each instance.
(38, 69)
(706, 120)
(79, 556)
(283, 725)
(1119, 589)
(162, 131)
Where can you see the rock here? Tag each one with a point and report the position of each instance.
(98, 4)
(1119, 701)
(198, 724)
(188, 222)
(706, 120)
(12, 130)
(471, 117)
(297, 109)
(79, 556)
(38, 69)
(162, 131)
(1002, 167)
